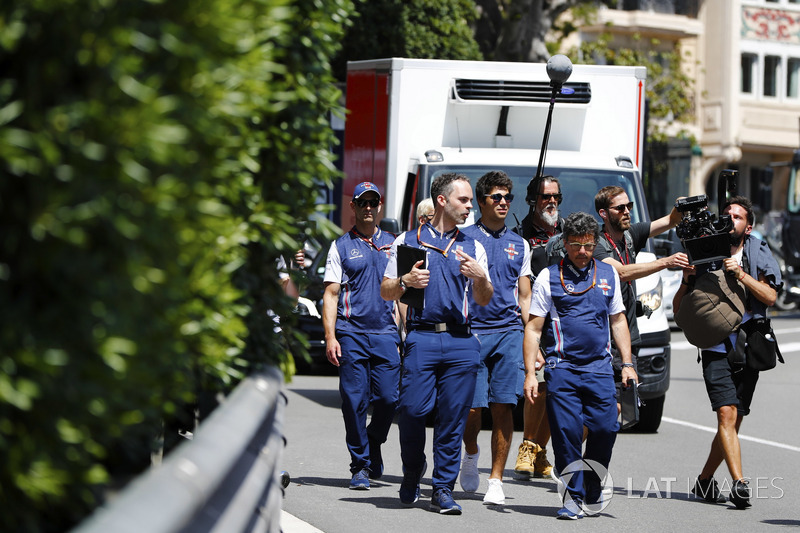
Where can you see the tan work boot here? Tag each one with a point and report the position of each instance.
(542, 467)
(526, 459)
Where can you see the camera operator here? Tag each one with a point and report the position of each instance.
(618, 245)
(731, 390)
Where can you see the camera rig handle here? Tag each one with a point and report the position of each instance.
(726, 188)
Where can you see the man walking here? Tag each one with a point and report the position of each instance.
(581, 298)
(499, 326)
(541, 224)
(361, 335)
(441, 354)
(731, 389)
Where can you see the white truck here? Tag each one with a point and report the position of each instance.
(410, 120)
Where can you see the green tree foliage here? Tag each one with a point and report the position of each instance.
(155, 157)
(423, 29)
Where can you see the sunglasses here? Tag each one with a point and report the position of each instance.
(497, 197)
(548, 197)
(622, 207)
(575, 246)
(361, 202)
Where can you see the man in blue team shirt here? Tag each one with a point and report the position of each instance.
(499, 326)
(581, 298)
(441, 354)
(361, 335)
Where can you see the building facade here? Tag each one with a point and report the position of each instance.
(744, 56)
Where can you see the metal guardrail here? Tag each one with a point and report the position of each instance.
(226, 479)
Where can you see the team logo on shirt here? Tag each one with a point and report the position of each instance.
(355, 253)
(511, 251)
(604, 286)
(570, 287)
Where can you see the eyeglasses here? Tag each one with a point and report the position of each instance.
(361, 202)
(427, 217)
(497, 197)
(589, 246)
(548, 197)
(622, 207)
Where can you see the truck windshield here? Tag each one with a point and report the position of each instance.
(578, 187)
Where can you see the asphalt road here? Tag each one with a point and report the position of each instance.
(652, 473)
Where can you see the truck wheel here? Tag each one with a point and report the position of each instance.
(650, 415)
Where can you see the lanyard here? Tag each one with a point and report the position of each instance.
(370, 242)
(624, 260)
(432, 247)
(566, 290)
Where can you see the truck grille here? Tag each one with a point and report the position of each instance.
(518, 91)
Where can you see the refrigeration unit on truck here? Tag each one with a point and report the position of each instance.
(410, 120)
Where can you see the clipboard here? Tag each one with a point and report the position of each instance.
(629, 403)
(407, 257)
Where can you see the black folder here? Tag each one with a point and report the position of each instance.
(407, 257)
(629, 400)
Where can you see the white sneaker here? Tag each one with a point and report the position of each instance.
(469, 477)
(494, 494)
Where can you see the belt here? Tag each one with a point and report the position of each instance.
(441, 327)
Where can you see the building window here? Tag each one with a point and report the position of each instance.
(748, 69)
(793, 77)
(771, 71)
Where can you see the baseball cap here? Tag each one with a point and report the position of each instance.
(363, 187)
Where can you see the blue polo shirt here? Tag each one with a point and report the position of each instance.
(358, 263)
(577, 336)
(509, 258)
(447, 294)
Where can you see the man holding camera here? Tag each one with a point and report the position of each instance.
(619, 242)
(731, 389)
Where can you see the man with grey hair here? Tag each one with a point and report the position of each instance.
(575, 308)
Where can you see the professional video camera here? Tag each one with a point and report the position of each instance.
(704, 237)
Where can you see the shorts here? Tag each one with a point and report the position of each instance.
(501, 374)
(726, 387)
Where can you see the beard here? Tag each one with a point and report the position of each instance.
(549, 219)
(618, 225)
(737, 238)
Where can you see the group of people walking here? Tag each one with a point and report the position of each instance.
(546, 310)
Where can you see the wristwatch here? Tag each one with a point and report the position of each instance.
(403, 286)
(627, 365)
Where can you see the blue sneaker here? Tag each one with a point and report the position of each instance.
(442, 501)
(360, 480)
(375, 460)
(568, 512)
(409, 488)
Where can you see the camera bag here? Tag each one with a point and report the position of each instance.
(712, 309)
(762, 351)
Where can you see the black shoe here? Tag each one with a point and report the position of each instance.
(707, 490)
(409, 488)
(375, 460)
(740, 494)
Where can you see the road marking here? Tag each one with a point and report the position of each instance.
(741, 437)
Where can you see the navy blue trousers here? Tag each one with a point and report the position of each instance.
(369, 374)
(439, 371)
(575, 400)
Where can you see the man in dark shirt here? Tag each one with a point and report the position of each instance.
(620, 241)
(542, 222)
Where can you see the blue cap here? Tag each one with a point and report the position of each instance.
(366, 186)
